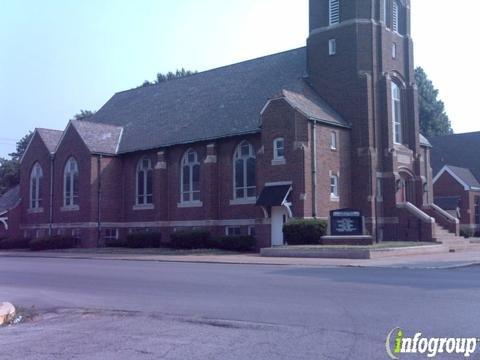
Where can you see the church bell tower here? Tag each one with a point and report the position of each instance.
(360, 60)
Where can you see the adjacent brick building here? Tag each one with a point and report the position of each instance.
(327, 126)
(456, 167)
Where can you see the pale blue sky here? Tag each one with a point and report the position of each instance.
(60, 56)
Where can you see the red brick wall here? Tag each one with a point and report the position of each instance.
(37, 153)
(446, 185)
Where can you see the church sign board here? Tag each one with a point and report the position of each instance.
(346, 222)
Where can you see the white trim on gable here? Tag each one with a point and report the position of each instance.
(267, 104)
(294, 107)
(35, 132)
(446, 169)
(63, 135)
(4, 221)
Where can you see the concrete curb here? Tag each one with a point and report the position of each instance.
(7, 313)
(351, 252)
(405, 262)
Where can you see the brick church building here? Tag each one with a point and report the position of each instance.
(244, 148)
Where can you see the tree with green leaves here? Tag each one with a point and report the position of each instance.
(83, 115)
(169, 76)
(434, 120)
(10, 168)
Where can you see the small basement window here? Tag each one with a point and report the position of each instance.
(111, 234)
(233, 231)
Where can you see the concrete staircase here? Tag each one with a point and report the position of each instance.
(450, 240)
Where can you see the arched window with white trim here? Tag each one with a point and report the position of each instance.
(144, 193)
(36, 178)
(397, 122)
(244, 172)
(190, 177)
(70, 183)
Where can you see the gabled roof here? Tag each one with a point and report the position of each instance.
(50, 138)
(99, 138)
(306, 101)
(213, 104)
(10, 199)
(460, 150)
(424, 141)
(462, 175)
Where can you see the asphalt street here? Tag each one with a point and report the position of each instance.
(92, 309)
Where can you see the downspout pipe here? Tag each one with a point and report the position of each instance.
(314, 170)
(50, 210)
(99, 199)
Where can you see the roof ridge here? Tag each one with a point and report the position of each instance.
(96, 123)
(453, 135)
(48, 129)
(210, 70)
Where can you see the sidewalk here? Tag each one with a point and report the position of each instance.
(433, 261)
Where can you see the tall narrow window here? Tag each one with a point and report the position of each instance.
(36, 178)
(279, 149)
(332, 47)
(190, 182)
(334, 12)
(144, 182)
(334, 186)
(244, 172)
(395, 17)
(70, 183)
(333, 140)
(397, 113)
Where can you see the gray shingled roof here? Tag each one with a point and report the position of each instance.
(465, 175)
(213, 104)
(99, 138)
(9, 199)
(312, 106)
(460, 150)
(50, 138)
(424, 141)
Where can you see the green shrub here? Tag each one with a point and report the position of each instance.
(467, 233)
(115, 243)
(142, 240)
(304, 232)
(53, 243)
(234, 243)
(9, 244)
(190, 239)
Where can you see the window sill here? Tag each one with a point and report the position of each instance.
(276, 162)
(35, 210)
(247, 201)
(333, 148)
(334, 198)
(140, 207)
(190, 204)
(70, 208)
